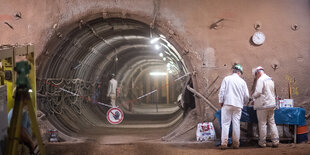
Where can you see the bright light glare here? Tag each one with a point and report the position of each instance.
(170, 71)
(164, 58)
(157, 47)
(161, 54)
(158, 73)
(154, 40)
(168, 65)
(30, 90)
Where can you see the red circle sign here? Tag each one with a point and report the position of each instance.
(115, 115)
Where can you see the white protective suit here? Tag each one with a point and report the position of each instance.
(234, 94)
(112, 91)
(264, 104)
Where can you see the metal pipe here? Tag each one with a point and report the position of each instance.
(203, 98)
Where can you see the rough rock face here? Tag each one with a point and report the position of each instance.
(211, 35)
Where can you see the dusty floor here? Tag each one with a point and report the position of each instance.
(150, 148)
(148, 142)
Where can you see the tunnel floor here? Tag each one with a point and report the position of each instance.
(155, 146)
(138, 121)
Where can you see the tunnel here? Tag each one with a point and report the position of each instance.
(170, 59)
(76, 66)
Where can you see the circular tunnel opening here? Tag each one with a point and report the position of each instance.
(74, 74)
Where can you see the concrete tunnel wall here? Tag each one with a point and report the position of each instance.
(208, 52)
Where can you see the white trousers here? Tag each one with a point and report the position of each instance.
(113, 98)
(267, 116)
(228, 114)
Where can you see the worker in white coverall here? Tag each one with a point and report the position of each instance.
(264, 104)
(112, 90)
(232, 96)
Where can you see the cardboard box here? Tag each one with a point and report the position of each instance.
(286, 103)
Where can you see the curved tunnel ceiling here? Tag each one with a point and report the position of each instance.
(86, 56)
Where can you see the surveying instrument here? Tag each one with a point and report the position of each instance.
(22, 97)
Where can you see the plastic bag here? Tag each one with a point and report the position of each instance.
(205, 132)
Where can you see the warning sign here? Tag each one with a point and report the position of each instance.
(115, 116)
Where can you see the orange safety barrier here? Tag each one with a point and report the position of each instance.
(302, 129)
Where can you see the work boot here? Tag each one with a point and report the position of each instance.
(262, 145)
(235, 145)
(224, 147)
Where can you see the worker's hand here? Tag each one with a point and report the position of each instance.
(251, 102)
(222, 104)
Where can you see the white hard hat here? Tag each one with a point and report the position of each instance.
(254, 71)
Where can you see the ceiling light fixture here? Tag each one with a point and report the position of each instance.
(158, 73)
(154, 40)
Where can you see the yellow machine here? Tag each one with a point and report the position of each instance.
(25, 83)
